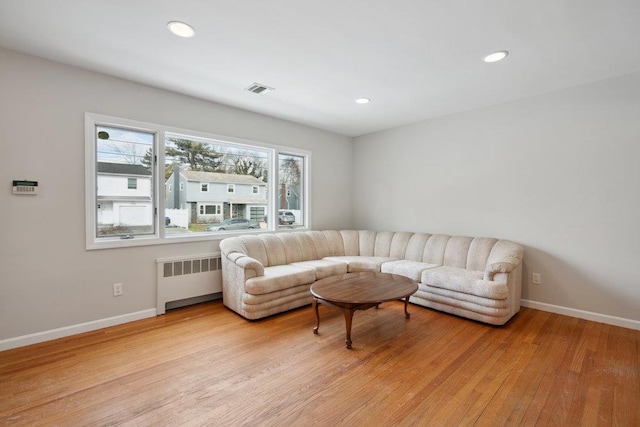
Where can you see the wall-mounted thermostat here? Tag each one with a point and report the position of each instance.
(25, 187)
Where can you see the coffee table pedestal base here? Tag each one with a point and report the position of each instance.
(348, 309)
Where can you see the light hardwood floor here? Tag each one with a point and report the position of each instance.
(204, 365)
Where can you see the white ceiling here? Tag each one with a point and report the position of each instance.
(416, 59)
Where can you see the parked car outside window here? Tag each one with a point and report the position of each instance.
(234, 224)
(286, 217)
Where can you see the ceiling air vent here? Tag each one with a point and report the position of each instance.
(259, 89)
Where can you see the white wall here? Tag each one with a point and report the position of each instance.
(47, 278)
(559, 173)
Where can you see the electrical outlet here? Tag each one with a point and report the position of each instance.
(117, 289)
(535, 279)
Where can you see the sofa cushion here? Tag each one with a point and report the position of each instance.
(276, 254)
(397, 247)
(366, 243)
(292, 246)
(279, 277)
(457, 251)
(324, 267)
(462, 280)
(416, 247)
(320, 243)
(335, 242)
(411, 269)
(361, 263)
(479, 251)
(281, 295)
(351, 243)
(254, 248)
(434, 249)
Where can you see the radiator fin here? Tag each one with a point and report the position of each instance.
(191, 266)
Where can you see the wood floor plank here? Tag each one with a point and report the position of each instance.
(205, 365)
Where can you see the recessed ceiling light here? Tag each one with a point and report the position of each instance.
(496, 56)
(363, 100)
(181, 29)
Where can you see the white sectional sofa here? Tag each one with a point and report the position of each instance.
(477, 278)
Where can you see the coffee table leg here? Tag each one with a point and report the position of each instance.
(348, 317)
(406, 313)
(315, 308)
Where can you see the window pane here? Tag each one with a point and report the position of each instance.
(229, 172)
(124, 198)
(290, 189)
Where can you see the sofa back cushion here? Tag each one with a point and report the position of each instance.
(307, 246)
(275, 249)
(505, 249)
(335, 242)
(292, 247)
(449, 251)
(456, 251)
(397, 246)
(479, 251)
(416, 246)
(320, 243)
(253, 247)
(366, 243)
(351, 242)
(434, 249)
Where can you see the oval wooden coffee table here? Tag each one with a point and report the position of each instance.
(360, 291)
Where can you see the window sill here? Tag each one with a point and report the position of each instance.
(113, 243)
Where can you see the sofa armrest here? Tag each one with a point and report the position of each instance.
(498, 267)
(247, 263)
(505, 257)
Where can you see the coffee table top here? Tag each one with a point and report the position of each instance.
(363, 288)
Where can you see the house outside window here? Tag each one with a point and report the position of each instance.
(124, 197)
(292, 185)
(146, 160)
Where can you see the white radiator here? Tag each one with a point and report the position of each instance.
(183, 278)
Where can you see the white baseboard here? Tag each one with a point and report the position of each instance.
(581, 314)
(66, 331)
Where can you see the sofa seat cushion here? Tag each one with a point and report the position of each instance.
(259, 306)
(361, 263)
(411, 269)
(493, 316)
(283, 295)
(486, 305)
(323, 267)
(279, 277)
(465, 281)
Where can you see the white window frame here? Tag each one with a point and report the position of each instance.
(159, 236)
(231, 188)
(204, 187)
(255, 189)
